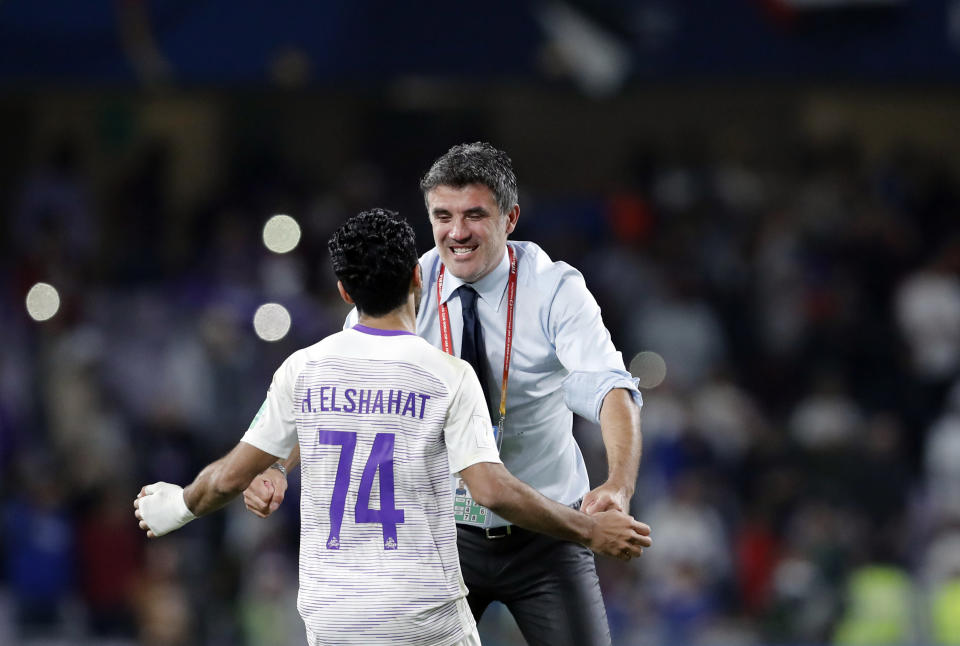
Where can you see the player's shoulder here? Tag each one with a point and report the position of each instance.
(411, 349)
(326, 346)
(448, 368)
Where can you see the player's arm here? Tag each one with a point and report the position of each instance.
(163, 507)
(274, 430)
(612, 533)
(598, 389)
(473, 454)
(267, 491)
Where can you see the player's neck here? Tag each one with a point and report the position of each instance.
(403, 318)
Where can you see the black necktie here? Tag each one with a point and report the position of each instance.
(472, 349)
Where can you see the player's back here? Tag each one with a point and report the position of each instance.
(378, 556)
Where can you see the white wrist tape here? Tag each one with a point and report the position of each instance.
(163, 508)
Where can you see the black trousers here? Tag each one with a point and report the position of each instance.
(549, 586)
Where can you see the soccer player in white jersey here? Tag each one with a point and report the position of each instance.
(382, 419)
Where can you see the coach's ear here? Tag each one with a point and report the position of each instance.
(512, 217)
(343, 294)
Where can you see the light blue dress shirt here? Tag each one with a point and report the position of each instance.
(563, 362)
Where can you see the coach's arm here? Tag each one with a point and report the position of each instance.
(266, 491)
(163, 507)
(612, 533)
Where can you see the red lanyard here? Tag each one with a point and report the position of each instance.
(446, 336)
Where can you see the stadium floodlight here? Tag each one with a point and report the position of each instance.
(650, 368)
(281, 234)
(43, 302)
(271, 322)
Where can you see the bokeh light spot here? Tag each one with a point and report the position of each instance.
(649, 368)
(271, 322)
(43, 302)
(281, 234)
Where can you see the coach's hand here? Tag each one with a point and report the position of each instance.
(618, 535)
(606, 497)
(265, 493)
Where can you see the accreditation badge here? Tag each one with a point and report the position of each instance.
(465, 508)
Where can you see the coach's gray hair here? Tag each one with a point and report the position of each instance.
(476, 163)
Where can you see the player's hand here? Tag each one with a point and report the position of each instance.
(618, 535)
(265, 493)
(160, 508)
(606, 497)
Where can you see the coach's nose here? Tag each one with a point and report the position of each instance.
(459, 232)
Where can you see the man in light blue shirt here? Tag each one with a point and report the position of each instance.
(561, 361)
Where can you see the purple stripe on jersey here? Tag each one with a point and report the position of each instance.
(377, 332)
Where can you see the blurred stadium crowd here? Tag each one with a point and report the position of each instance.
(801, 469)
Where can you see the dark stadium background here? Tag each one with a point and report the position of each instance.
(762, 194)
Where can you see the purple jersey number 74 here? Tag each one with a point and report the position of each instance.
(381, 457)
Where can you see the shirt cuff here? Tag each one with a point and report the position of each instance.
(583, 391)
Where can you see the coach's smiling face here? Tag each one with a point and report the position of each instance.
(469, 230)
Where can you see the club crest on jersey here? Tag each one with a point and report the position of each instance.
(390, 544)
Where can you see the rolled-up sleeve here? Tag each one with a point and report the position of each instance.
(583, 391)
(584, 347)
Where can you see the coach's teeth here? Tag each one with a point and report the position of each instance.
(461, 250)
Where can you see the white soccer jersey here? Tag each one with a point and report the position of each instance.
(382, 418)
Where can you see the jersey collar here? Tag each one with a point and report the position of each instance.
(378, 332)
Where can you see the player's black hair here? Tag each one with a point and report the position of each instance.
(373, 255)
(476, 163)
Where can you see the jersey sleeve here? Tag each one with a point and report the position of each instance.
(274, 428)
(468, 431)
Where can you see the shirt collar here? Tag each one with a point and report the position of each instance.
(380, 332)
(490, 288)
